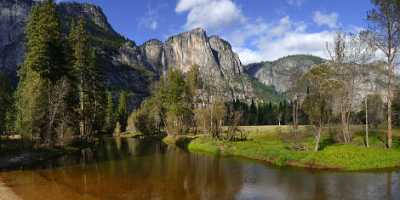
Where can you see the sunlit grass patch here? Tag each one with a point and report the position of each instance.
(266, 143)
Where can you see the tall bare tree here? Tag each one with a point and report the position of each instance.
(350, 55)
(385, 27)
(295, 96)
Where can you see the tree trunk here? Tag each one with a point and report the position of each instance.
(318, 136)
(294, 116)
(82, 123)
(343, 123)
(389, 105)
(366, 123)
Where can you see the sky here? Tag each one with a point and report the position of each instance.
(259, 30)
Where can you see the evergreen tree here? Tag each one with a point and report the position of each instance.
(123, 111)
(97, 92)
(45, 44)
(270, 114)
(6, 102)
(43, 88)
(89, 75)
(171, 105)
(178, 102)
(193, 80)
(109, 115)
(253, 113)
(261, 114)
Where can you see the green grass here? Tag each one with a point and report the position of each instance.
(266, 143)
(178, 140)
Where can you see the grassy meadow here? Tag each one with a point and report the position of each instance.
(277, 146)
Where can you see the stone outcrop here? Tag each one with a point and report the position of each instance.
(219, 66)
(13, 15)
(153, 52)
(93, 15)
(278, 73)
(190, 48)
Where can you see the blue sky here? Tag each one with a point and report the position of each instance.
(257, 29)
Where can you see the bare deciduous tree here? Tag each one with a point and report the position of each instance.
(385, 28)
(349, 56)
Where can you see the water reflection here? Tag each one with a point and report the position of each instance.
(132, 169)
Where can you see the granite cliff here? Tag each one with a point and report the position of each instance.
(127, 65)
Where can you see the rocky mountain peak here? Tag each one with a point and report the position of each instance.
(128, 66)
(217, 62)
(153, 51)
(152, 42)
(278, 73)
(218, 39)
(91, 13)
(189, 48)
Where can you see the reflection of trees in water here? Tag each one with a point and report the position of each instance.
(132, 169)
(215, 178)
(180, 175)
(166, 172)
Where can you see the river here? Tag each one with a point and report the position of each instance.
(125, 169)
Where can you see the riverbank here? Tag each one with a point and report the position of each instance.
(27, 158)
(180, 141)
(6, 193)
(16, 154)
(269, 144)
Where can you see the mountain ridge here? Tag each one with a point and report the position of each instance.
(129, 66)
(278, 73)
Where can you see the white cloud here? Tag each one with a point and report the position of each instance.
(185, 5)
(276, 40)
(210, 14)
(328, 19)
(297, 43)
(257, 40)
(247, 55)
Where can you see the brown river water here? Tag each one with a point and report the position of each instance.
(125, 169)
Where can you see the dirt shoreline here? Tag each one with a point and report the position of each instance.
(6, 193)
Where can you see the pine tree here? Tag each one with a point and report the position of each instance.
(109, 115)
(253, 113)
(42, 87)
(97, 92)
(80, 54)
(178, 102)
(123, 111)
(45, 44)
(90, 77)
(5, 102)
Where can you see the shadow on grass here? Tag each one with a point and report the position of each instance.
(183, 142)
(325, 143)
(396, 142)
